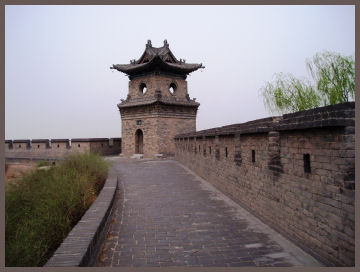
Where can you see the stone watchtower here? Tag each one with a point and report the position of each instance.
(158, 105)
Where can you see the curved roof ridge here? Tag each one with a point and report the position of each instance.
(149, 62)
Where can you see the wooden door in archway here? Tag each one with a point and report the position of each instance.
(139, 142)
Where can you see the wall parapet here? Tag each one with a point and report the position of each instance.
(339, 115)
(57, 148)
(296, 172)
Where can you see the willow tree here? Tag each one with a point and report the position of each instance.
(289, 94)
(333, 82)
(334, 76)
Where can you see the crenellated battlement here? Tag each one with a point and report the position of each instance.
(57, 148)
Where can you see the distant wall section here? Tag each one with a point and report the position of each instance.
(58, 148)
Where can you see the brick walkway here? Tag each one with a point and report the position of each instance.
(167, 216)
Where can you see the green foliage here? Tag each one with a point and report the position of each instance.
(289, 94)
(43, 207)
(333, 74)
(43, 163)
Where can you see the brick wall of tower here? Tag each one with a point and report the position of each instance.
(157, 83)
(129, 128)
(159, 124)
(168, 127)
(160, 120)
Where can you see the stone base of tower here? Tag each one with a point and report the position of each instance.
(154, 135)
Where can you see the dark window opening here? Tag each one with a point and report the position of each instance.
(143, 88)
(226, 152)
(172, 88)
(307, 167)
(38, 146)
(209, 149)
(138, 122)
(199, 148)
(19, 145)
(102, 145)
(58, 146)
(78, 145)
(253, 155)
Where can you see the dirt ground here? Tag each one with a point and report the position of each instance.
(14, 171)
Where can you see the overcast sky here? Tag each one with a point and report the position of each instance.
(57, 78)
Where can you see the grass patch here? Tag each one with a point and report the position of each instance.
(43, 163)
(43, 207)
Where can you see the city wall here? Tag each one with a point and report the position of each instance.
(57, 148)
(296, 172)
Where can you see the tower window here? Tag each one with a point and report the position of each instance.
(307, 166)
(253, 155)
(226, 152)
(19, 145)
(143, 88)
(172, 88)
(38, 146)
(78, 145)
(138, 122)
(209, 149)
(58, 146)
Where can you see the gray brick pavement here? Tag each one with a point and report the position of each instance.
(168, 216)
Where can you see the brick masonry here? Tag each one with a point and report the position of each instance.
(158, 113)
(296, 172)
(58, 148)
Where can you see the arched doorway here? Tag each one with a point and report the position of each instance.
(139, 142)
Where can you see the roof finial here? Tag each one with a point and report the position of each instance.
(148, 44)
(166, 44)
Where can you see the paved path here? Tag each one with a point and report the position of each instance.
(168, 216)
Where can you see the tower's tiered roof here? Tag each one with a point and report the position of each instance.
(160, 60)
